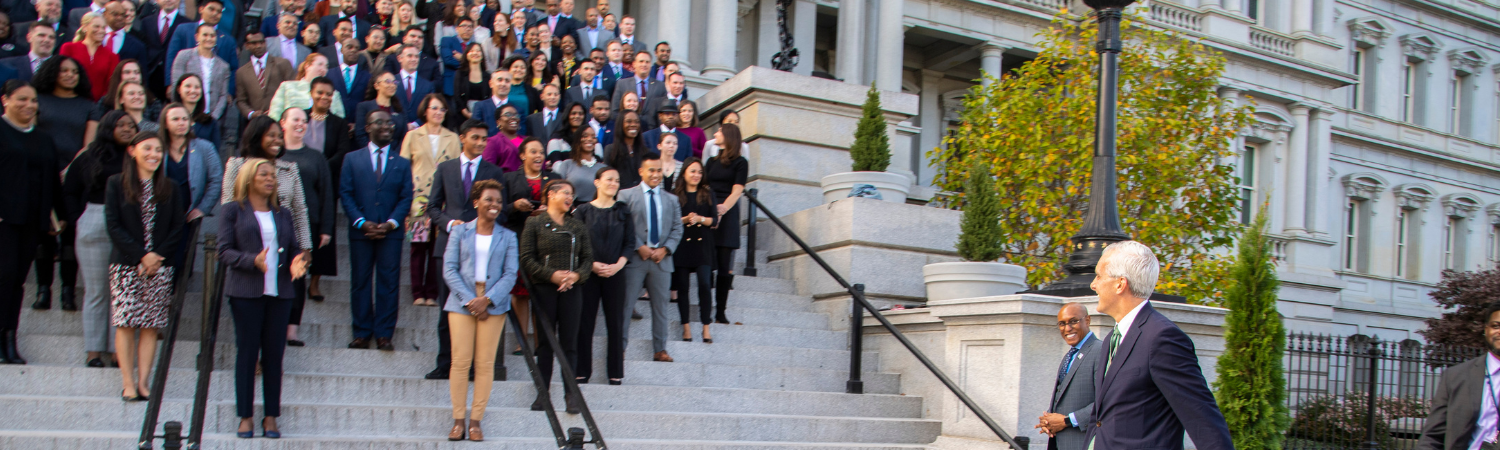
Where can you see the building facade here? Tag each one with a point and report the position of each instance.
(1376, 144)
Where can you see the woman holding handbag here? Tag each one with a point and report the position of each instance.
(426, 147)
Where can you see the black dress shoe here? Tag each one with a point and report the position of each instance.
(96, 362)
(295, 343)
(3, 359)
(574, 404)
(316, 298)
(616, 382)
(635, 314)
(541, 402)
(12, 354)
(65, 299)
(363, 343)
(440, 373)
(43, 299)
(384, 344)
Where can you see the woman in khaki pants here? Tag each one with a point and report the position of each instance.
(480, 266)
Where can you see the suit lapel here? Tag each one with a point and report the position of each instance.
(1077, 361)
(1127, 345)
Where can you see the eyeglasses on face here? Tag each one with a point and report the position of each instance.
(1069, 323)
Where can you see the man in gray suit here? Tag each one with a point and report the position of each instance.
(658, 228)
(285, 45)
(1073, 397)
(1466, 394)
(593, 35)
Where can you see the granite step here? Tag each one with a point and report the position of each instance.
(89, 440)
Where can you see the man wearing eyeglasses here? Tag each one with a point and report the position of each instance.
(1073, 396)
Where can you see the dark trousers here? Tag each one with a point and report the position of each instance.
(724, 282)
(47, 259)
(299, 302)
(680, 283)
(609, 293)
(425, 268)
(381, 259)
(562, 309)
(260, 334)
(18, 245)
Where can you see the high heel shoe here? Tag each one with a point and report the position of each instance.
(457, 433)
(245, 434)
(269, 433)
(475, 433)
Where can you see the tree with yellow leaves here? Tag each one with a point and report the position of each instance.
(1034, 130)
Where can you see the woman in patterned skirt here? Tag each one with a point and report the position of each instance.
(140, 277)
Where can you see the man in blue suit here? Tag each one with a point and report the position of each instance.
(116, 19)
(350, 80)
(211, 11)
(376, 191)
(667, 117)
(599, 120)
(1149, 387)
(451, 49)
(487, 111)
(410, 85)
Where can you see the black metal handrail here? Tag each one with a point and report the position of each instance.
(213, 293)
(570, 383)
(856, 325)
(164, 358)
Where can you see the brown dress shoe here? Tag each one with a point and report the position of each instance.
(457, 434)
(475, 434)
(360, 343)
(662, 356)
(384, 344)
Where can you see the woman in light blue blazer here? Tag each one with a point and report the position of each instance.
(476, 319)
(194, 165)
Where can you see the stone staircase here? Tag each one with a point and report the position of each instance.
(775, 382)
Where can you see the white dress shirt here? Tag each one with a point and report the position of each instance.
(267, 222)
(289, 48)
(482, 255)
(1485, 428)
(653, 195)
(1124, 324)
(119, 39)
(207, 64)
(164, 21)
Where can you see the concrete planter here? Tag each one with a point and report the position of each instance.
(956, 280)
(893, 187)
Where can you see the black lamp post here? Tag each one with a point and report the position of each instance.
(1102, 226)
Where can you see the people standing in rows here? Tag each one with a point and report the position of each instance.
(287, 43)
(312, 35)
(627, 150)
(426, 147)
(88, 49)
(259, 79)
(726, 174)
(427, 67)
(559, 143)
(215, 72)
(612, 234)
(565, 57)
(526, 98)
(185, 36)
(327, 136)
(452, 48)
(352, 79)
(548, 119)
(374, 51)
(556, 255)
(84, 191)
(658, 230)
(259, 249)
(638, 83)
(452, 186)
(411, 87)
(132, 98)
(600, 123)
(317, 192)
(64, 97)
(40, 42)
(581, 165)
(589, 83)
(298, 94)
(504, 148)
(666, 117)
(142, 211)
(189, 92)
(523, 192)
(195, 166)
(694, 258)
(501, 44)
(33, 169)
(375, 189)
(382, 96)
(480, 262)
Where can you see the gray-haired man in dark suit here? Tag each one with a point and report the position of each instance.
(1073, 397)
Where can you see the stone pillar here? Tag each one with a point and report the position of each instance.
(849, 64)
(1317, 177)
(805, 30)
(930, 110)
(767, 40)
(1233, 6)
(1296, 177)
(989, 60)
(719, 59)
(889, 48)
(674, 22)
(1302, 17)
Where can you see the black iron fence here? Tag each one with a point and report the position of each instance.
(1331, 380)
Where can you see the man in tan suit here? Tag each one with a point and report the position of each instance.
(258, 79)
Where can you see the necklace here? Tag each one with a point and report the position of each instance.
(319, 117)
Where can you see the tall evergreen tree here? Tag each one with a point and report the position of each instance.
(1251, 388)
(872, 148)
(979, 230)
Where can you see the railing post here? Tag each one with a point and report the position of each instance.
(856, 340)
(749, 270)
(171, 436)
(1022, 442)
(1370, 442)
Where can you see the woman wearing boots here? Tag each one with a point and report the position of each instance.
(479, 267)
(726, 174)
(32, 182)
(556, 255)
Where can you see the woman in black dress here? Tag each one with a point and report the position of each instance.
(471, 84)
(612, 234)
(695, 252)
(62, 95)
(625, 152)
(32, 186)
(726, 175)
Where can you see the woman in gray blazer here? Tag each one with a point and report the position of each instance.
(475, 306)
(216, 79)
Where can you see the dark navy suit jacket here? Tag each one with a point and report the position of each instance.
(1154, 391)
(485, 111)
(361, 83)
(240, 243)
(410, 100)
(375, 199)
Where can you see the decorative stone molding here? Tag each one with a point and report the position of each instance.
(1370, 30)
(1460, 206)
(1269, 131)
(1494, 212)
(953, 104)
(1413, 196)
(1364, 186)
(746, 7)
(1467, 60)
(1420, 47)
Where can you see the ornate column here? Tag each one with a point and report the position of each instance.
(1302, 17)
(990, 56)
(930, 110)
(889, 48)
(849, 63)
(1296, 170)
(719, 59)
(1317, 177)
(673, 25)
(1233, 6)
(805, 29)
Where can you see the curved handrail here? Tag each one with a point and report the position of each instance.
(857, 291)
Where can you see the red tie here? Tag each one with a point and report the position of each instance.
(109, 42)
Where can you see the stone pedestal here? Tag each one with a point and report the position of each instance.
(799, 129)
(1004, 351)
(880, 244)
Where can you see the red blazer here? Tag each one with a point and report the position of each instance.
(98, 68)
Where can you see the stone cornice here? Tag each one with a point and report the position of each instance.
(1468, 60)
(1413, 196)
(1460, 206)
(1369, 30)
(1494, 212)
(1420, 46)
(1364, 186)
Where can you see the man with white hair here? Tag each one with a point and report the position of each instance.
(1149, 386)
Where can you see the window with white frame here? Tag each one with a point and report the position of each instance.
(1357, 67)
(1353, 225)
(1452, 260)
(1361, 191)
(1459, 209)
(1247, 172)
(1403, 224)
(1411, 200)
(1409, 92)
(1457, 106)
(1494, 248)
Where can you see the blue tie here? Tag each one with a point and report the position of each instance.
(348, 79)
(654, 235)
(1062, 372)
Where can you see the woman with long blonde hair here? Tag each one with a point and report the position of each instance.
(88, 48)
